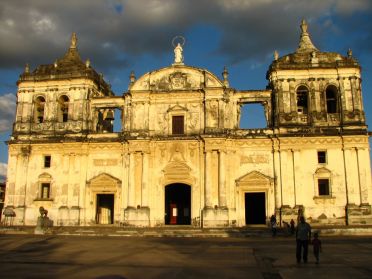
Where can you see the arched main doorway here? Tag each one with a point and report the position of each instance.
(177, 204)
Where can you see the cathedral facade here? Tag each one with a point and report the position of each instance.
(180, 157)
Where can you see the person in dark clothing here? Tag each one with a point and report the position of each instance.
(317, 247)
(273, 224)
(292, 224)
(303, 237)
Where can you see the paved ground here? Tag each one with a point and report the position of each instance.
(28, 256)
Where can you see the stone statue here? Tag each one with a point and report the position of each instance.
(43, 221)
(178, 57)
(43, 212)
(276, 55)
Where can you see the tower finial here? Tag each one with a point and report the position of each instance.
(305, 45)
(73, 40)
(304, 26)
(276, 55)
(27, 69)
(225, 75)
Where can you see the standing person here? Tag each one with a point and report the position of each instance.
(292, 223)
(273, 224)
(303, 236)
(317, 246)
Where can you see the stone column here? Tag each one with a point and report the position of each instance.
(277, 179)
(207, 179)
(312, 105)
(349, 175)
(221, 179)
(344, 100)
(294, 161)
(355, 93)
(364, 166)
(131, 182)
(144, 196)
(20, 194)
(292, 95)
(286, 169)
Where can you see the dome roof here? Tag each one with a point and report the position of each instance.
(177, 77)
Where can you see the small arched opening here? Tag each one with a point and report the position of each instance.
(63, 103)
(39, 109)
(331, 99)
(302, 96)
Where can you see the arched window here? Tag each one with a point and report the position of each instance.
(302, 93)
(331, 99)
(63, 103)
(39, 109)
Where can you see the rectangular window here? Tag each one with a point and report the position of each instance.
(323, 187)
(322, 157)
(177, 125)
(47, 160)
(45, 190)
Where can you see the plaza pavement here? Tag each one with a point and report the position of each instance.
(55, 256)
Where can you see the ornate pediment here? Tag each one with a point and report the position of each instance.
(177, 108)
(104, 178)
(45, 176)
(176, 78)
(322, 171)
(177, 172)
(254, 178)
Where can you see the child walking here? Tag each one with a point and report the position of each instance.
(317, 246)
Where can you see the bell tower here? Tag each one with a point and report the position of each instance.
(53, 99)
(316, 91)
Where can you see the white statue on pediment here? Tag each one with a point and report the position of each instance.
(178, 56)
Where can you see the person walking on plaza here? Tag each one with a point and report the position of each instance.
(317, 246)
(273, 224)
(303, 237)
(292, 223)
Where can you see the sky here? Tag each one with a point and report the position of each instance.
(120, 36)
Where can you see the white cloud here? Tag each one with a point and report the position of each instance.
(41, 23)
(3, 169)
(7, 111)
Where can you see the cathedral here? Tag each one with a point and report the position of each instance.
(179, 156)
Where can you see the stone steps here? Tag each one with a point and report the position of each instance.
(180, 231)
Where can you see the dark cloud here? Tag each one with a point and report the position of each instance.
(113, 32)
